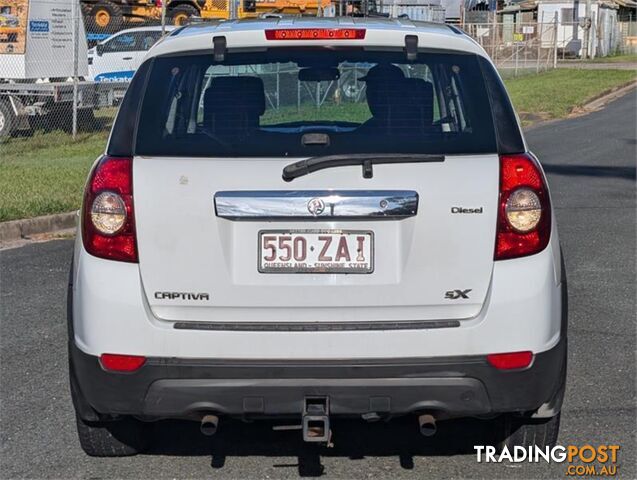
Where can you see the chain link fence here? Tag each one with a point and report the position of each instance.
(518, 48)
(628, 37)
(66, 66)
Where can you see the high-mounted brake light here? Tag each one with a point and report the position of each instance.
(108, 224)
(510, 361)
(524, 210)
(121, 363)
(315, 34)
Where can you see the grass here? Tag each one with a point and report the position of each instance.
(509, 73)
(45, 173)
(627, 58)
(554, 94)
(345, 112)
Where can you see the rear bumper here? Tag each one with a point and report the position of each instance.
(110, 314)
(452, 386)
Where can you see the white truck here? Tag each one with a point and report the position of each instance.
(43, 67)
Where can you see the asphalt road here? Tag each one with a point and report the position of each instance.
(591, 165)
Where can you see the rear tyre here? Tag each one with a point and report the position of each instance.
(86, 121)
(7, 121)
(118, 438)
(181, 14)
(106, 17)
(528, 432)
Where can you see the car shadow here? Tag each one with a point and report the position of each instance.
(351, 438)
(628, 173)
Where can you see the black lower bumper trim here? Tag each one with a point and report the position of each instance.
(316, 326)
(453, 386)
(285, 397)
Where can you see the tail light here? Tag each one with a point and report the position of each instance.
(524, 211)
(108, 223)
(316, 34)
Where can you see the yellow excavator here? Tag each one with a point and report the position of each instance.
(9, 23)
(254, 8)
(109, 16)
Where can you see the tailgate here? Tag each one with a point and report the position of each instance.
(205, 264)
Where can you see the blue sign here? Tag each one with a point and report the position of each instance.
(115, 76)
(39, 26)
(97, 37)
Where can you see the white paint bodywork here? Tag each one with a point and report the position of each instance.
(514, 305)
(522, 312)
(416, 259)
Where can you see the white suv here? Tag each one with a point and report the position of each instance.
(118, 57)
(310, 218)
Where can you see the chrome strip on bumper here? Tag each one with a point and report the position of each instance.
(315, 204)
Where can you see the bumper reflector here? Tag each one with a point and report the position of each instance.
(510, 361)
(121, 363)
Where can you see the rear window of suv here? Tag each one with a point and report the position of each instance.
(305, 102)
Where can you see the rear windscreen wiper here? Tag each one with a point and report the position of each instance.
(304, 167)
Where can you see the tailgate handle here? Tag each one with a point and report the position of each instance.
(316, 204)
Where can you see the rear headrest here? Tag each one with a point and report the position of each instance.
(381, 97)
(406, 106)
(419, 99)
(234, 96)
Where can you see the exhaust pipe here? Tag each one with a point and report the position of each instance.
(427, 423)
(209, 425)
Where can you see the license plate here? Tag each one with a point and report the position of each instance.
(316, 251)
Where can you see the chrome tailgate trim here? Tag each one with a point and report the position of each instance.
(315, 204)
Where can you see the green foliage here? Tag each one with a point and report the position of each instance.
(344, 112)
(45, 173)
(554, 94)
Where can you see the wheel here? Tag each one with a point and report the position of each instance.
(7, 121)
(86, 121)
(117, 438)
(181, 13)
(58, 117)
(528, 432)
(106, 17)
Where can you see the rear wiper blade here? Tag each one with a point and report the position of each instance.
(304, 167)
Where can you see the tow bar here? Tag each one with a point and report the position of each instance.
(316, 420)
